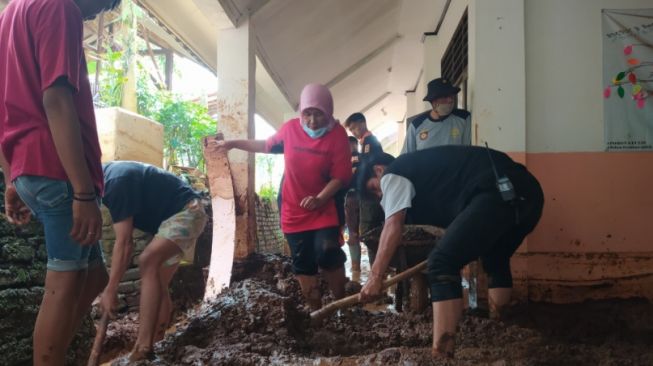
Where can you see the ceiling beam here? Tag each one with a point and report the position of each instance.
(363, 61)
(236, 15)
(440, 21)
(257, 6)
(375, 102)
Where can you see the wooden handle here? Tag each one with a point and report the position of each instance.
(318, 315)
(100, 334)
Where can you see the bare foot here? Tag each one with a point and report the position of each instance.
(445, 347)
(141, 353)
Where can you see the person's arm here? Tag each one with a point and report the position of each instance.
(120, 259)
(315, 202)
(388, 243)
(6, 168)
(255, 146)
(64, 126)
(15, 209)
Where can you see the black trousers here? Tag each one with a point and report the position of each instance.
(487, 228)
(316, 248)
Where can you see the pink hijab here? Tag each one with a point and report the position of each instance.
(318, 96)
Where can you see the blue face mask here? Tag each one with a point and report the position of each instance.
(314, 134)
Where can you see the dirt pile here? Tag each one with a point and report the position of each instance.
(260, 321)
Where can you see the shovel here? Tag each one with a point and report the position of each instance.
(318, 315)
(100, 334)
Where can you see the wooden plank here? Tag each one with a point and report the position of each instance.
(224, 218)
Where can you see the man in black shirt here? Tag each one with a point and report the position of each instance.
(357, 126)
(453, 187)
(355, 155)
(361, 215)
(152, 200)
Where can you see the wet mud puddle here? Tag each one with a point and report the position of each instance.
(260, 320)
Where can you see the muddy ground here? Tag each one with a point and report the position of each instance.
(260, 320)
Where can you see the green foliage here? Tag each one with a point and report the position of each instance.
(184, 123)
(112, 78)
(267, 164)
(268, 192)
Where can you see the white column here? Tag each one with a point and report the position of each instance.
(236, 108)
(497, 67)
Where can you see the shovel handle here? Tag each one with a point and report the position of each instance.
(318, 315)
(100, 334)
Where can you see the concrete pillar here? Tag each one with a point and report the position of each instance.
(236, 108)
(497, 73)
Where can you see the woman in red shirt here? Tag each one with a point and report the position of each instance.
(317, 165)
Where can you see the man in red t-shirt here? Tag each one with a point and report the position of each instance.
(50, 156)
(317, 165)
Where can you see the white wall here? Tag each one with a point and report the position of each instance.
(434, 47)
(496, 69)
(564, 73)
(497, 73)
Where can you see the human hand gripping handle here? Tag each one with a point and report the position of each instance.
(372, 288)
(109, 302)
(217, 143)
(318, 315)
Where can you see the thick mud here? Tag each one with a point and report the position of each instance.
(260, 320)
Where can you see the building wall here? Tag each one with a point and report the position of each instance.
(564, 66)
(597, 208)
(535, 81)
(497, 76)
(434, 48)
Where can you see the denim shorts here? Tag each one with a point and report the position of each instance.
(51, 202)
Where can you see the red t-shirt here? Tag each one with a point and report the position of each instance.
(310, 165)
(41, 41)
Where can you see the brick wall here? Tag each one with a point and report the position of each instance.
(269, 236)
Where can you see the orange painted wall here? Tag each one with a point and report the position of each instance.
(594, 239)
(595, 202)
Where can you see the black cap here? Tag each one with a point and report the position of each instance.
(440, 87)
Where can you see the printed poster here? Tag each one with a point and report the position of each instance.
(628, 79)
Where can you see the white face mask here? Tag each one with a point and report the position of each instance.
(444, 109)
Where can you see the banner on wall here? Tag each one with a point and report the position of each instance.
(628, 79)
